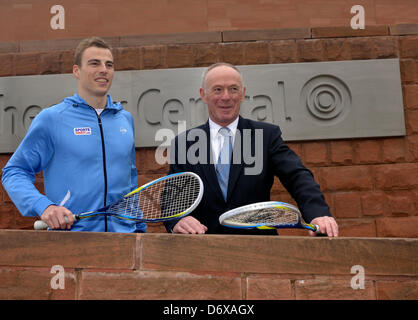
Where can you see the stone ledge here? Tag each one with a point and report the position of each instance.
(215, 37)
(203, 267)
(209, 253)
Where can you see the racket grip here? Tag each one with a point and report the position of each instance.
(40, 225)
(318, 232)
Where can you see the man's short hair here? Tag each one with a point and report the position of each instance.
(215, 65)
(87, 43)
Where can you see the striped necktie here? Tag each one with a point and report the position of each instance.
(224, 159)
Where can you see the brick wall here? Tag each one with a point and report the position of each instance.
(30, 20)
(371, 184)
(214, 267)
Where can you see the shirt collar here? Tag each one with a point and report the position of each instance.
(214, 127)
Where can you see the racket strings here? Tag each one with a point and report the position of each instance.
(266, 216)
(163, 199)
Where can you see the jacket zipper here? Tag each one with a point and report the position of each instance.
(104, 164)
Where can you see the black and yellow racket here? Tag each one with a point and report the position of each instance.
(266, 215)
(167, 198)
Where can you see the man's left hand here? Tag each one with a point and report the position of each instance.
(327, 225)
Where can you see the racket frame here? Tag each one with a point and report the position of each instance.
(39, 224)
(264, 205)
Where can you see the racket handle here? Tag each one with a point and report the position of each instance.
(40, 225)
(318, 232)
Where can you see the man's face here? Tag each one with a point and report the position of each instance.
(95, 74)
(223, 92)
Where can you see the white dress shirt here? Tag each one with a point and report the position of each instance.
(217, 140)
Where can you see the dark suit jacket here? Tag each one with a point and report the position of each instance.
(273, 158)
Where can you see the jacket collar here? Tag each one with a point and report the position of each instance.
(77, 101)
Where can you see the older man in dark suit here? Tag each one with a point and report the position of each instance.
(238, 162)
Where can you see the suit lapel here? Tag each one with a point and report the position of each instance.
(209, 168)
(237, 154)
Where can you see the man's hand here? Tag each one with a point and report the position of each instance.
(189, 225)
(327, 225)
(54, 216)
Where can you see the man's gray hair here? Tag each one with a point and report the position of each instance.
(215, 65)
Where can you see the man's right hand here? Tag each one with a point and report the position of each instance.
(189, 225)
(56, 217)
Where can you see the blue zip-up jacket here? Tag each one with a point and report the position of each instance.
(91, 158)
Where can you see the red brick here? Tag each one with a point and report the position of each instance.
(327, 288)
(404, 29)
(9, 47)
(154, 56)
(169, 38)
(67, 61)
(257, 53)
(6, 65)
(385, 47)
(346, 31)
(283, 51)
(50, 63)
(311, 50)
(341, 152)
(7, 217)
(315, 153)
(411, 96)
(394, 150)
(266, 34)
(408, 70)
(352, 178)
(396, 176)
(415, 199)
(127, 58)
(404, 227)
(400, 203)
(33, 248)
(205, 54)
(146, 163)
(27, 64)
(156, 228)
(397, 289)
(347, 205)
(336, 49)
(179, 56)
(21, 222)
(374, 204)
(232, 53)
(409, 47)
(411, 119)
(293, 232)
(412, 142)
(159, 285)
(361, 48)
(298, 255)
(260, 287)
(356, 227)
(367, 151)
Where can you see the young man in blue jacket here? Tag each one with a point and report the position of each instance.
(85, 148)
